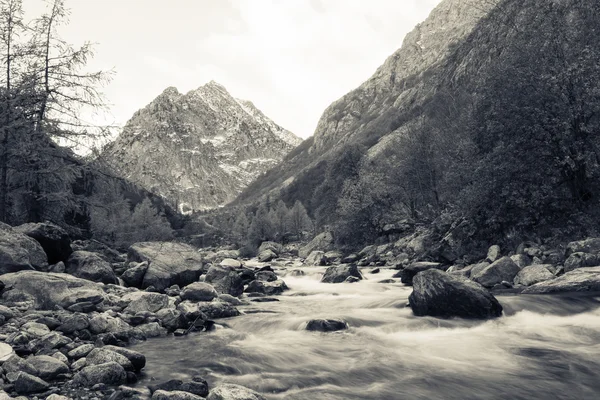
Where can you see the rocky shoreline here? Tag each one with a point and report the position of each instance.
(69, 310)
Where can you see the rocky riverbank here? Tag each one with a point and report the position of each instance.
(69, 310)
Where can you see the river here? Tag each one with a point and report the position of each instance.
(544, 347)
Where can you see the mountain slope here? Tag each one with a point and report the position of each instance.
(200, 149)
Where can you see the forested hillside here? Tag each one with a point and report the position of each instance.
(496, 139)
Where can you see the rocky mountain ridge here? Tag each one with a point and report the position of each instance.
(198, 150)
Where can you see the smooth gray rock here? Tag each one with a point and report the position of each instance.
(408, 273)
(110, 373)
(579, 280)
(267, 288)
(438, 294)
(504, 269)
(19, 252)
(339, 273)
(225, 280)
(326, 325)
(533, 274)
(90, 266)
(228, 391)
(199, 291)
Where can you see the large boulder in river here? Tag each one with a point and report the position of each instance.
(499, 271)
(225, 280)
(87, 265)
(266, 256)
(54, 240)
(110, 373)
(579, 280)
(47, 290)
(321, 242)
(228, 391)
(168, 263)
(438, 294)
(316, 257)
(175, 395)
(533, 274)
(339, 273)
(408, 273)
(581, 260)
(19, 252)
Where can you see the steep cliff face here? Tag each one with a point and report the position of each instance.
(198, 150)
(397, 83)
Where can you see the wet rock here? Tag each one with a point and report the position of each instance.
(297, 272)
(197, 386)
(169, 263)
(326, 325)
(218, 309)
(315, 258)
(172, 319)
(230, 391)
(28, 384)
(438, 294)
(104, 355)
(49, 368)
(340, 273)
(376, 271)
(137, 359)
(48, 342)
(581, 260)
(199, 291)
(225, 280)
(152, 330)
(322, 242)
(19, 252)
(145, 301)
(533, 274)
(387, 281)
(134, 274)
(266, 276)
(48, 290)
(349, 259)
(266, 256)
(227, 298)
(175, 395)
(332, 257)
(352, 279)
(90, 266)
(502, 270)
(103, 323)
(408, 273)
(267, 288)
(110, 373)
(54, 240)
(579, 280)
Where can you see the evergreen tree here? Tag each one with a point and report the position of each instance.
(299, 221)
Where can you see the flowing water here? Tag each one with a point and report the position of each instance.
(544, 347)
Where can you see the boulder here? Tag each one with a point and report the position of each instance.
(6, 352)
(138, 360)
(110, 373)
(172, 319)
(438, 294)
(90, 266)
(266, 276)
(134, 274)
(49, 368)
(332, 257)
(225, 280)
(17, 364)
(272, 246)
(228, 391)
(104, 322)
(27, 384)
(522, 260)
(199, 291)
(218, 309)
(145, 301)
(590, 246)
(322, 242)
(73, 323)
(266, 256)
(175, 395)
(54, 240)
(19, 252)
(168, 263)
(579, 280)
(81, 351)
(48, 290)
(493, 253)
(504, 269)
(326, 325)
(315, 258)
(581, 260)
(152, 330)
(408, 273)
(340, 273)
(533, 274)
(267, 288)
(197, 386)
(102, 355)
(230, 262)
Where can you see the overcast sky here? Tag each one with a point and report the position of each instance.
(292, 58)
